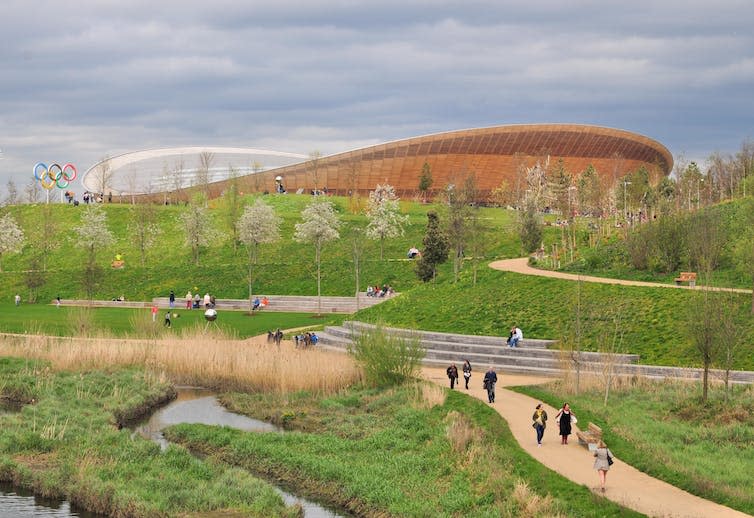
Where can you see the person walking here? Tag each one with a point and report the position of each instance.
(565, 418)
(540, 422)
(17, 299)
(466, 372)
(452, 374)
(168, 323)
(154, 312)
(490, 378)
(171, 298)
(189, 300)
(603, 458)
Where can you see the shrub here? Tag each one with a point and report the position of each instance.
(385, 358)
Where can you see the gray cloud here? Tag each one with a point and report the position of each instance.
(89, 79)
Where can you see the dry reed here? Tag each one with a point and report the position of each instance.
(428, 395)
(460, 432)
(530, 504)
(200, 359)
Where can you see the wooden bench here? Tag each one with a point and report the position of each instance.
(689, 277)
(590, 437)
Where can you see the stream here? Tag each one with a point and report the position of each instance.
(192, 406)
(200, 406)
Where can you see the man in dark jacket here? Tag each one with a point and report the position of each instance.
(490, 378)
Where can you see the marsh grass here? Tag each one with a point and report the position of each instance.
(197, 358)
(665, 429)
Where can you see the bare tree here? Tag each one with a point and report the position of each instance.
(202, 178)
(731, 336)
(177, 178)
(257, 225)
(383, 212)
(703, 327)
(11, 236)
(357, 251)
(319, 226)
(12, 198)
(257, 168)
(460, 202)
(313, 168)
(232, 206)
(33, 191)
(199, 229)
(143, 228)
(92, 235)
(103, 176)
(132, 180)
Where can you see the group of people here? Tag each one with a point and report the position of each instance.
(260, 303)
(603, 457)
(275, 337)
(305, 339)
(376, 291)
(490, 378)
(196, 301)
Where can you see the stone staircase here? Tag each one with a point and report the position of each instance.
(538, 357)
(289, 303)
(532, 356)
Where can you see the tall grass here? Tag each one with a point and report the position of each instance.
(206, 359)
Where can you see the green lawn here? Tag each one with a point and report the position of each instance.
(68, 321)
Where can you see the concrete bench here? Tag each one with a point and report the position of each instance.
(590, 437)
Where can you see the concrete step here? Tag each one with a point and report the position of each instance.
(290, 303)
(452, 337)
(467, 350)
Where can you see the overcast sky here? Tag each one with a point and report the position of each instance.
(81, 80)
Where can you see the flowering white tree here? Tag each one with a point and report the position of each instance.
(11, 236)
(199, 229)
(319, 226)
(93, 234)
(383, 212)
(258, 224)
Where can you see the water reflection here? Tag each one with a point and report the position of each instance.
(200, 406)
(18, 503)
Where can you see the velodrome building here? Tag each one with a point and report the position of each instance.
(494, 154)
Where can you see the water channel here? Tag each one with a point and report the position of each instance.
(192, 406)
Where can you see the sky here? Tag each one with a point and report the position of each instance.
(83, 80)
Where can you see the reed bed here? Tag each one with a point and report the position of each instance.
(203, 359)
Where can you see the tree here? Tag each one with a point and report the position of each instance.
(425, 181)
(203, 176)
(103, 175)
(200, 231)
(436, 249)
(11, 236)
(313, 167)
(319, 226)
(703, 325)
(232, 205)
(12, 198)
(383, 212)
(34, 276)
(257, 225)
(530, 228)
(357, 251)
(143, 228)
(460, 205)
(93, 234)
(32, 190)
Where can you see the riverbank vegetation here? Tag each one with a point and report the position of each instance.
(663, 428)
(403, 450)
(66, 442)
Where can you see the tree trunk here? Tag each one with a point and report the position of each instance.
(319, 291)
(705, 381)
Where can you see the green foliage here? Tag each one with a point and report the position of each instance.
(530, 229)
(383, 452)
(436, 249)
(66, 444)
(386, 359)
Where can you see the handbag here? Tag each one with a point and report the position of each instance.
(573, 419)
(609, 459)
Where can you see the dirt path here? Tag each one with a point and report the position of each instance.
(625, 484)
(521, 265)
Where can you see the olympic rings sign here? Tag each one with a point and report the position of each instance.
(54, 175)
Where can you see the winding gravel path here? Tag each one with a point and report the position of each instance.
(625, 484)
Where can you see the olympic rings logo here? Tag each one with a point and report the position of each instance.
(54, 175)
